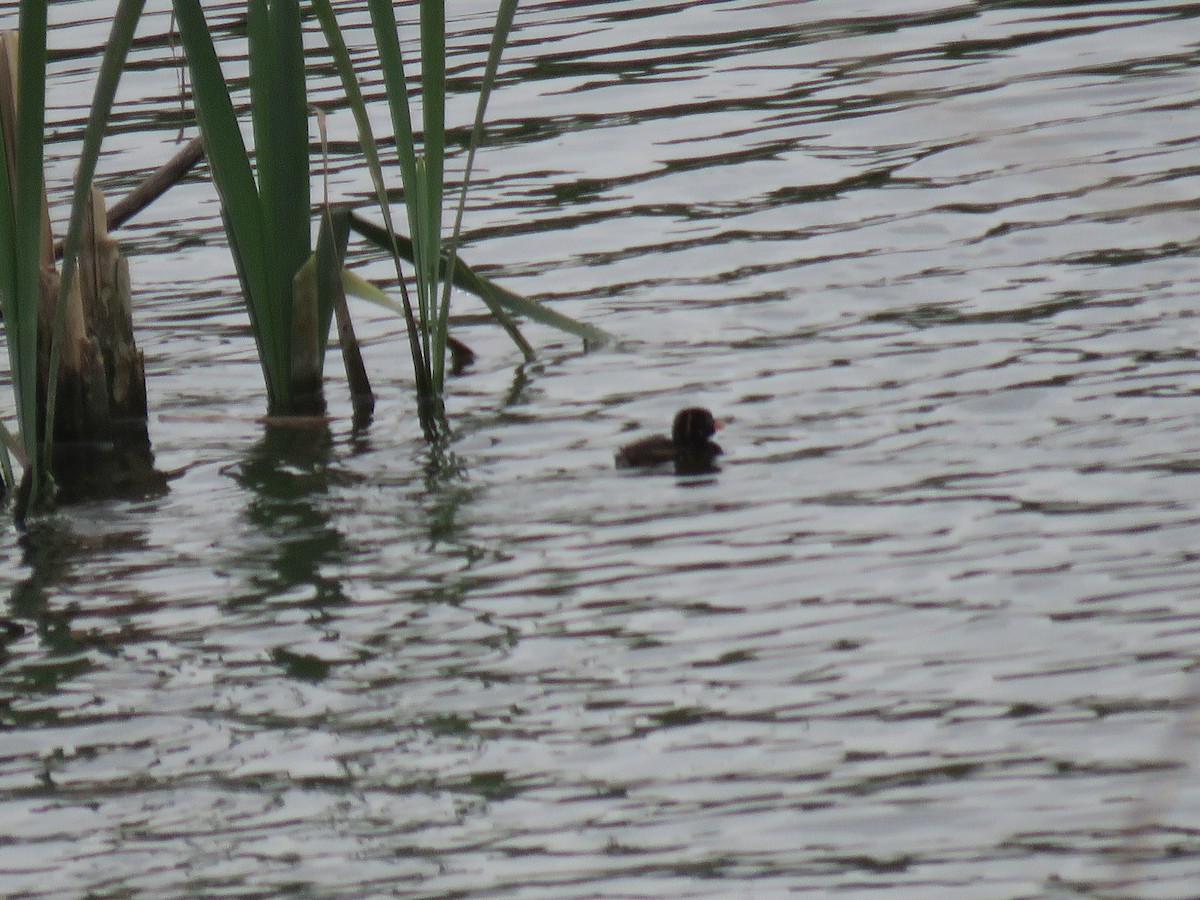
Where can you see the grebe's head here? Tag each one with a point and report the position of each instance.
(694, 426)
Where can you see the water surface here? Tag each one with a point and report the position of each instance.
(929, 633)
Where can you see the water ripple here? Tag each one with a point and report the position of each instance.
(929, 631)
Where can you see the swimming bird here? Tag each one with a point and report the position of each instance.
(688, 447)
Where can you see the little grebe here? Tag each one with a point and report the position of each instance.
(688, 447)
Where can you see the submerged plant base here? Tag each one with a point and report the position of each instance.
(100, 470)
(121, 469)
(308, 403)
(101, 445)
(431, 411)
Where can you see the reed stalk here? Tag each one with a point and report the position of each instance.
(268, 219)
(421, 163)
(429, 412)
(21, 204)
(26, 248)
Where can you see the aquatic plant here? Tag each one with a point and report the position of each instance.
(291, 294)
(421, 162)
(268, 219)
(26, 249)
(20, 219)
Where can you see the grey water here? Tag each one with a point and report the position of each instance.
(931, 632)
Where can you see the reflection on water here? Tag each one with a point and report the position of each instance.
(447, 490)
(287, 473)
(930, 630)
(97, 470)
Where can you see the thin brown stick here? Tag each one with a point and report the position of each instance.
(152, 187)
(361, 396)
(156, 184)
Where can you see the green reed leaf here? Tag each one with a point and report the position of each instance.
(431, 175)
(233, 177)
(279, 111)
(22, 273)
(391, 61)
(390, 56)
(498, 299)
(504, 20)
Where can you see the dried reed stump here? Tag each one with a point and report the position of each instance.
(101, 443)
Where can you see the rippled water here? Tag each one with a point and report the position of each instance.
(929, 633)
